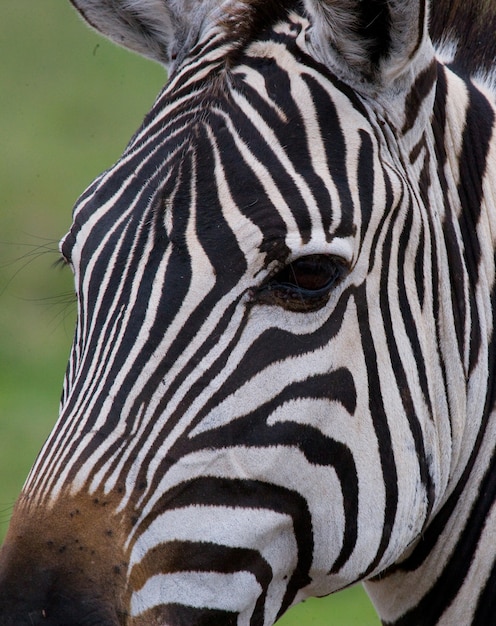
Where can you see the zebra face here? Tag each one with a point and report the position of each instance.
(243, 422)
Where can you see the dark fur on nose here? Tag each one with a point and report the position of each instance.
(41, 599)
(63, 566)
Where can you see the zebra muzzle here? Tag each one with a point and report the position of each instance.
(61, 568)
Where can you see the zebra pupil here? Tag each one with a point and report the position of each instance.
(310, 273)
(304, 285)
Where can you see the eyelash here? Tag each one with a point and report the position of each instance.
(303, 285)
(61, 262)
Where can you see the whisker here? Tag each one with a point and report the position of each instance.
(35, 252)
(6, 513)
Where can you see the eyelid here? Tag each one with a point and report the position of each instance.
(65, 247)
(280, 289)
(339, 247)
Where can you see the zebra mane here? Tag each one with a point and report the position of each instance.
(464, 31)
(362, 35)
(244, 20)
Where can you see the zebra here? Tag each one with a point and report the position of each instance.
(281, 380)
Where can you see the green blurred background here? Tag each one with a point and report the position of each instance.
(69, 102)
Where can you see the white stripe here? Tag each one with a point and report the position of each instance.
(228, 592)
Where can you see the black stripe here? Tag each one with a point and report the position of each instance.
(485, 610)
(477, 136)
(180, 615)
(419, 91)
(251, 494)
(381, 427)
(188, 556)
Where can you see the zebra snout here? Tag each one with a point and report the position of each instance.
(63, 567)
(65, 612)
(34, 599)
(36, 596)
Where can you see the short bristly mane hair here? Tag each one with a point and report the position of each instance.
(245, 21)
(468, 27)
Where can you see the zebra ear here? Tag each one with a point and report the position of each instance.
(369, 41)
(158, 29)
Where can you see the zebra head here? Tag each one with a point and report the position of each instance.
(279, 382)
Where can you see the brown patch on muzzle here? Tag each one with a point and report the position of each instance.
(64, 564)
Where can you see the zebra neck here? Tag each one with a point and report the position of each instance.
(445, 577)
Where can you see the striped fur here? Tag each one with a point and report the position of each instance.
(231, 442)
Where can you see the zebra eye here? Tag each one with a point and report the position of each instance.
(305, 284)
(65, 248)
(310, 273)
